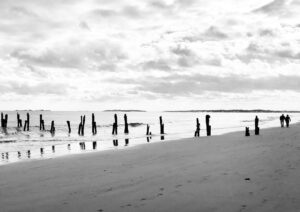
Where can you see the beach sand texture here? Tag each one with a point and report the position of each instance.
(221, 173)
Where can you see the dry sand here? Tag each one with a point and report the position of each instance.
(205, 174)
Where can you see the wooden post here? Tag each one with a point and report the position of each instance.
(126, 131)
(126, 141)
(69, 127)
(42, 151)
(53, 149)
(41, 119)
(52, 129)
(5, 120)
(28, 153)
(247, 132)
(83, 123)
(19, 120)
(162, 126)
(208, 127)
(115, 125)
(2, 120)
(25, 125)
(197, 132)
(28, 121)
(148, 129)
(256, 126)
(94, 125)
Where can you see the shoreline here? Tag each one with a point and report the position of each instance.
(230, 172)
(154, 139)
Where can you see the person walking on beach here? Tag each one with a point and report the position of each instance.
(287, 120)
(282, 119)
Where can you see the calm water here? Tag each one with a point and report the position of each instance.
(17, 145)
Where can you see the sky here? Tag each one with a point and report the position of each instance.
(149, 54)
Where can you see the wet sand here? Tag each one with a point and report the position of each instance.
(221, 173)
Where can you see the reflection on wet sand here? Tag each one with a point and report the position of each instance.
(126, 142)
(94, 145)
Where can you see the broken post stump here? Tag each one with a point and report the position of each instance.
(247, 131)
(197, 132)
(208, 127)
(126, 131)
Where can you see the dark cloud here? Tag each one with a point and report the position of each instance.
(185, 85)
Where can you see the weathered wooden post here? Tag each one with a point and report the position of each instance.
(80, 126)
(52, 129)
(25, 125)
(256, 126)
(197, 132)
(115, 125)
(19, 154)
(53, 148)
(247, 131)
(28, 121)
(2, 120)
(19, 120)
(6, 120)
(162, 126)
(126, 131)
(69, 127)
(208, 127)
(126, 141)
(148, 130)
(42, 151)
(28, 153)
(41, 119)
(83, 124)
(94, 125)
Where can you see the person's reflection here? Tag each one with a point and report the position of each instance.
(116, 142)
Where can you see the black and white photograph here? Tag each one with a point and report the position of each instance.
(150, 105)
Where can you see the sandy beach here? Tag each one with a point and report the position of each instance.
(221, 173)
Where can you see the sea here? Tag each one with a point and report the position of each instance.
(17, 145)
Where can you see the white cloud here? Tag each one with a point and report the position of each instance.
(170, 50)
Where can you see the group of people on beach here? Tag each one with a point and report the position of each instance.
(285, 119)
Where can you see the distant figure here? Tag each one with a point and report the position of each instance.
(287, 120)
(282, 119)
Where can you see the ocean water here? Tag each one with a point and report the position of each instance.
(17, 145)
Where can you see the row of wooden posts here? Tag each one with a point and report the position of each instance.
(4, 119)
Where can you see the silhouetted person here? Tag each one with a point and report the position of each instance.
(287, 120)
(282, 118)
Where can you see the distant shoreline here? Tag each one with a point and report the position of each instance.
(232, 111)
(124, 111)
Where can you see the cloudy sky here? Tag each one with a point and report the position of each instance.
(149, 54)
